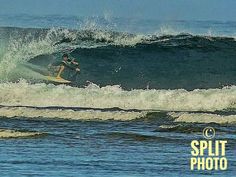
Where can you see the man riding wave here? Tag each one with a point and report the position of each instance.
(66, 62)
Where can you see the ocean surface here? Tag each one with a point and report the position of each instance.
(146, 89)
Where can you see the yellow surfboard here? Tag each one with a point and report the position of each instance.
(58, 80)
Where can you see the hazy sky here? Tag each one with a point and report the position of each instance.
(223, 10)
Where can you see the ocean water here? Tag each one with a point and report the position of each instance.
(146, 89)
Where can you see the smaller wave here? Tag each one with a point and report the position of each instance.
(93, 96)
(195, 128)
(133, 136)
(203, 118)
(182, 128)
(18, 112)
(6, 133)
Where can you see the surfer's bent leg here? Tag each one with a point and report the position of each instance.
(60, 71)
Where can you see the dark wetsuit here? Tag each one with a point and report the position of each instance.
(69, 63)
(71, 72)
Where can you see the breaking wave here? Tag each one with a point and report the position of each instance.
(93, 96)
(114, 58)
(135, 73)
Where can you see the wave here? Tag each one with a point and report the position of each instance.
(203, 118)
(134, 75)
(115, 58)
(177, 121)
(133, 136)
(48, 101)
(197, 128)
(6, 133)
(93, 96)
(69, 114)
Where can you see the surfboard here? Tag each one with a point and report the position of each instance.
(58, 80)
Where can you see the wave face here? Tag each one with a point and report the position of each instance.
(114, 58)
(166, 62)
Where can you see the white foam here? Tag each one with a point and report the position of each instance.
(5, 133)
(203, 118)
(25, 94)
(168, 30)
(69, 114)
(119, 39)
(21, 49)
(168, 126)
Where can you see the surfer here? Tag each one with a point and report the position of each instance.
(69, 63)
